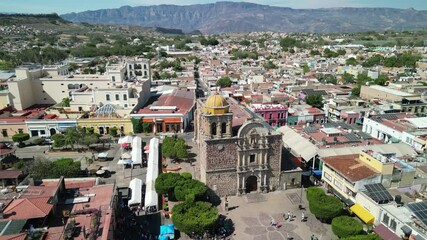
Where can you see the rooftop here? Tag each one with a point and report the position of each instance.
(350, 167)
(177, 102)
(391, 91)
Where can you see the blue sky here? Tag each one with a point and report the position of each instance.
(66, 6)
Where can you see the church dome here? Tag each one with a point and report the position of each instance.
(216, 101)
(216, 104)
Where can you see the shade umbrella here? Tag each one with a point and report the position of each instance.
(100, 172)
(105, 168)
(124, 162)
(147, 147)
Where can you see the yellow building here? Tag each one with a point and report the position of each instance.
(103, 119)
(377, 161)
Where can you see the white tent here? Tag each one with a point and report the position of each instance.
(125, 139)
(136, 191)
(151, 197)
(137, 150)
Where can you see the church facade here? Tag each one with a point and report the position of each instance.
(236, 156)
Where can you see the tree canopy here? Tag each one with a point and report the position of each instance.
(20, 137)
(224, 82)
(314, 100)
(195, 217)
(166, 182)
(190, 189)
(66, 167)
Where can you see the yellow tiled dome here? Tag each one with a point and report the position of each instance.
(216, 101)
(216, 104)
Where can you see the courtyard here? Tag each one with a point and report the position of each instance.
(253, 213)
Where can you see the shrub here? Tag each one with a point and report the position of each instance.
(37, 141)
(323, 206)
(363, 237)
(346, 226)
(20, 137)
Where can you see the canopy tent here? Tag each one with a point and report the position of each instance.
(102, 155)
(125, 161)
(136, 191)
(298, 145)
(151, 197)
(167, 232)
(136, 150)
(125, 140)
(126, 155)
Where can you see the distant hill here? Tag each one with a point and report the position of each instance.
(248, 17)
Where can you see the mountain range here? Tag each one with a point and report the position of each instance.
(223, 17)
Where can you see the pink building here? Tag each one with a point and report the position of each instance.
(273, 114)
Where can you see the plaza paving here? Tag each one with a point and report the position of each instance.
(252, 216)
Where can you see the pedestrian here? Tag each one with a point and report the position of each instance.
(289, 216)
(302, 217)
(288, 236)
(273, 223)
(312, 237)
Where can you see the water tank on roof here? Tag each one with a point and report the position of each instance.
(398, 199)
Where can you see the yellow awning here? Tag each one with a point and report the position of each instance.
(362, 213)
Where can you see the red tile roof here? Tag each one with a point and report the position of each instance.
(182, 99)
(20, 236)
(28, 208)
(350, 167)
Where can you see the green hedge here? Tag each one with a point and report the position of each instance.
(323, 206)
(363, 237)
(166, 182)
(346, 226)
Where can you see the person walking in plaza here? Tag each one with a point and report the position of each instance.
(302, 217)
(289, 216)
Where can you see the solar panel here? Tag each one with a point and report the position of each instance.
(420, 210)
(378, 193)
(329, 125)
(352, 137)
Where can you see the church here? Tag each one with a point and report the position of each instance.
(239, 153)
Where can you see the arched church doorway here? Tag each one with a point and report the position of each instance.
(251, 184)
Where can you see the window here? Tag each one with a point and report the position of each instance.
(223, 127)
(117, 97)
(386, 218)
(44, 98)
(113, 78)
(63, 91)
(327, 176)
(126, 105)
(125, 97)
(338, 184)
(62, 84)
(393, 225)
(20, 130)
(107, 97)
(252, 158)
(270, 116)
(42, 132)
(80, 109)
(213, 129)
(4, 132)
(42, 84)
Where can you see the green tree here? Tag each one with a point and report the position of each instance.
(147, 127)
(381, 80)
(315, 53)
(195, 217)
(66, 167)
(314, 100)
(113, 131)
(137, 125)
(190, 188)
(305, 68)
(5, 65)
(166, 182)
(156, 75)
(288, 42)
(66, 102)
(245, 42)
(224, 82)
(347, 78)
(71, 137)
(20, 138)
(345, 226)
(58, 140)
(356, 90)
(269, 65)
(351, 61)
(89, 139)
